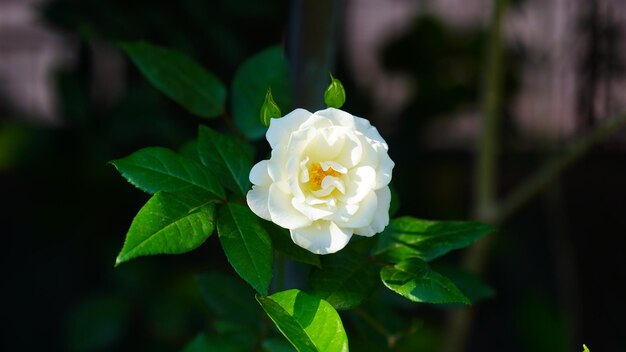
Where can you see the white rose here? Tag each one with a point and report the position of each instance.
(327, 179)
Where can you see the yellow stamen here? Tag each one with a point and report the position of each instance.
(317, 174)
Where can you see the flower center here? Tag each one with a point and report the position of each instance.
(317, 175)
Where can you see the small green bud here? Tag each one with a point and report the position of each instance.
(335, 95)
(269, 109)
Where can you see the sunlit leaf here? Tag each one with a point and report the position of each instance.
(413, 279)
(169, 223)
(471, 286)
(308, 322)
(160, 169)
(407, 237)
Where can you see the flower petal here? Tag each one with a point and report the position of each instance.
(338, 117)
(321, 237)
(259, 174)
(312, 212)
(280, 129)
(384, 169)
(381, 216)
(361, 182)
(281, 210)
(362, 125)
(327, 143)
(352, 151)
(365, 214)
(257, 199)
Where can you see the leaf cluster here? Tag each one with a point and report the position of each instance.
(202, 189)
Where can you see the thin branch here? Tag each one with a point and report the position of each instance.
(556, 165)
(231, 126)
(366, 317)
(486, 166)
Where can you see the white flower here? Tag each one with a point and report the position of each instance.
(327, 179)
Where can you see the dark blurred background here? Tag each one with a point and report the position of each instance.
(70, 101)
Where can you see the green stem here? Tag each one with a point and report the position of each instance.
(231, 126)
(374, 324)
(486, 163)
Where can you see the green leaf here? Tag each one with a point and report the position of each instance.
(265, 69)
(407, 237)
(413, 279)
(222, 343)
(190, 150)
(246, 244)
(282, 242)
(179, 77)
(229, 298)
(345, 280)
(227, 157)
(585, 349)
(169, 223)
(335, 94)
(160, 169)
(474, 288)
(308, 322)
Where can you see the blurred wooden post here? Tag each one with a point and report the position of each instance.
(311, 50)
(486, 176)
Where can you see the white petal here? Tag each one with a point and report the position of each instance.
(280, 129)
(361, 181)
(321, 237)
(338, 117)
(257, 199)
(362, 125)
(342, 118)
(381, 216)
(352, 151)
(329, 184)
(276, 164)
(317, 121)
(334, 182)
(304, 171)
(311, 212)
(367, 210)
(370, 154)
(259, 174)
(335, 166)
(384, 169)
(281, 210)
(327, 143)
(343, 213)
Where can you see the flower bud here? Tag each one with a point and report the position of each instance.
(335, 95)
(269, 109)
